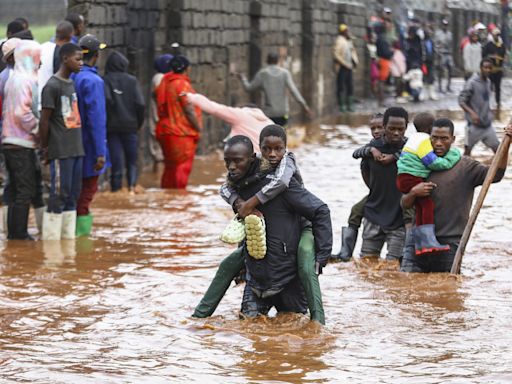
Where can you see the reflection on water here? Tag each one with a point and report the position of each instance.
(116, 308)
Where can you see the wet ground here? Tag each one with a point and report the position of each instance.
(115, 308)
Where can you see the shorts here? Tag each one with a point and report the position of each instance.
(374, 237)
(445, 60)
(384, 69)
(486, 135)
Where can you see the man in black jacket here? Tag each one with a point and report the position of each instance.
(273, 280)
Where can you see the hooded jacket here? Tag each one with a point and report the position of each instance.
(90, 92)
(125, 103)
(20, 116)
(283, 220)
(244, 121)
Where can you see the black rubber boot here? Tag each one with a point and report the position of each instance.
(425, 240)
(348, 243)
(18, 222)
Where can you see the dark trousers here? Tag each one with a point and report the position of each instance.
(424, 205)
(66, 183)
(496, 82)
(356, 213)
(344, 84)
(89, 189)
(21, 167)
(282, 121)
(123, 148)
(426, 263)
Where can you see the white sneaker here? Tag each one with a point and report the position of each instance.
(52, 226)
(68, 225)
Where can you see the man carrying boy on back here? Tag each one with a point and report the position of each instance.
(61, 142)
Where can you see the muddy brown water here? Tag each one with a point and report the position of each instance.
(115, 308)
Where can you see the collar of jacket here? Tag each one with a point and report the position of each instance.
(88, 68)
(171, 76)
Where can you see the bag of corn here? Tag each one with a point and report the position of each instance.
(234, 231)
(256, 239)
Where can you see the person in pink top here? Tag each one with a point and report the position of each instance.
(245, 121)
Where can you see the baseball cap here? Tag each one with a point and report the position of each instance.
(387, 10)
(343, 27)
(445, 21)
(89, 43)
(8, 47)
(496, 31)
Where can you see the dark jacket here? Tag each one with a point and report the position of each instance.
(125, 103)
(413, 53)
(283, 230)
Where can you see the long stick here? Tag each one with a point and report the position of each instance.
(478, 205)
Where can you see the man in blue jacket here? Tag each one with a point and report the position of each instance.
(90, 91)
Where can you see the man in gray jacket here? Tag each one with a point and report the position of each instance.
(274, 81)
(475, 101)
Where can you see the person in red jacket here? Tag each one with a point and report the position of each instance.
(179, 126)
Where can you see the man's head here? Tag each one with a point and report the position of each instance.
(485, 67)
(13, 27)
(423, 122)
(442, 136)
(78, 22)
(238, 156)
(272, 58)
(395, 124)
(179, 64)
(70, 56)
(63, 32)
(23, 21)
(473, 36)
(376, 125)
(8, 48)
(273, 143)
(496, 34)
(91, 48)
(444, 24)
(343, 29)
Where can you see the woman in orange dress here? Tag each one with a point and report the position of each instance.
(179, 125)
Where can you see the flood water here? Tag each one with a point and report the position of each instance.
(116, 308)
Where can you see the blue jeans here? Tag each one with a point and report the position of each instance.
(66, 184)
(123, 146)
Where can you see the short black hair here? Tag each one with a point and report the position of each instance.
(240, 139)
(75, 18)
(485, 60)
(445, 123)
(64, 30)
(377, 115)
(14, 26)
(273, 130)
(423, 122)
(23, 21)
(272, 58)
(67, 50)
(395, 112)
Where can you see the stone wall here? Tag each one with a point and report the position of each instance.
(223, 37)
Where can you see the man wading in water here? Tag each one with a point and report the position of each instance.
(452, 191)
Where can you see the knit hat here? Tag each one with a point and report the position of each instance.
(8, 47)
(179, 64)
(162, 63)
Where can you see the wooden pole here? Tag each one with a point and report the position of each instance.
(491, 173)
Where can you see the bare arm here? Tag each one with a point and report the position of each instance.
(191, 116)
(44, 128)
(419, 190)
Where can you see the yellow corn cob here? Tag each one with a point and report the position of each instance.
(256, 238)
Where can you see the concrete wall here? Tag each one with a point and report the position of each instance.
(221, 37)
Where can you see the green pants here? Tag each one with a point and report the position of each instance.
(230, 267)
(356, 213)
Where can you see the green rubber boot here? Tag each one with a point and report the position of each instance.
(83, 225)
(342, 106)
(350, 104)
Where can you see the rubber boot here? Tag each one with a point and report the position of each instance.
(306, 260)
(425, 240)
(5, 215)
(17, 222)
(228, 270)
(38, 213)
(83, 225)
(350, 104)
(342, 106)
(432, 92)
(68, 225)
(348, 243)
(52, 226)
